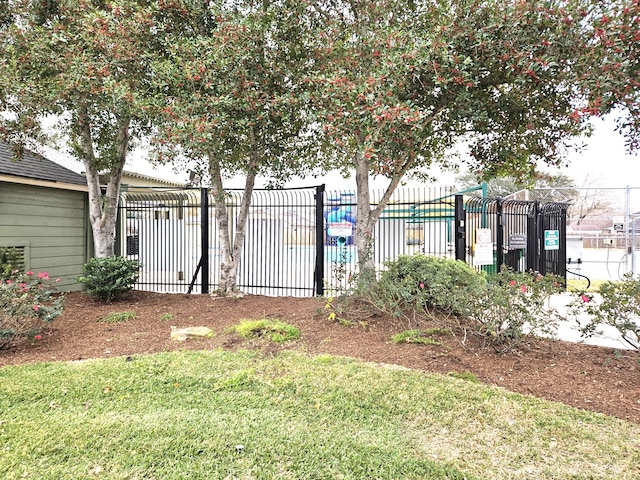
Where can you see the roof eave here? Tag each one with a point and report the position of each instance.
(43, 183)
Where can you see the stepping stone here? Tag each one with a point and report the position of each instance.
(182, 334)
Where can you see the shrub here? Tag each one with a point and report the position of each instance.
(109, 278)
(423, 283)
(618, 306)
(503, 308)
(27, 302)
(515, 305)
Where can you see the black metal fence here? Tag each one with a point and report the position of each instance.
(175, 237)
(416, 220)
(523, 235)
(299, 242)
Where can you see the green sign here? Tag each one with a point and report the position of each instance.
(552, 239)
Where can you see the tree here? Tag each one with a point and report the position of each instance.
(403, 82)
(85, 62)
(234, 101)
(588, 200)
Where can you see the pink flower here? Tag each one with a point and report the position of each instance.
(523, 288)
(37, 337)
(513, 283)
(43, 275)
(36, 308)
(29, 272)
(585, 299)
(57, 280)
(421, 285)
(9, 282)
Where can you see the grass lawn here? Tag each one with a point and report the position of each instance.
(579, 285)
(228, 415)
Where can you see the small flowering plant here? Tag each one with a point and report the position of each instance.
(27, 302)
(516, 305)
(616, 304)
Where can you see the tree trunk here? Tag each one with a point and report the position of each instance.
(364, 219)
(103, 208)
(367, 217)
(230, 251)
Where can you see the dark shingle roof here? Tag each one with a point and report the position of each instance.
(35, 166)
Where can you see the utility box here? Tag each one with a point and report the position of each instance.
(575, 249)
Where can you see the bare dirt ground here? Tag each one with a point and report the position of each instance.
(588, 377)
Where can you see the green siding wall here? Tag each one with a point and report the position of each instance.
(51, 224)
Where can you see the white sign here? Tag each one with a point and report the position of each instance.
(342, 229)
(483, 254)
(483, 248)
(483, 235)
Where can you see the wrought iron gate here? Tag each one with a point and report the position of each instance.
(174, 235)
(522, 235)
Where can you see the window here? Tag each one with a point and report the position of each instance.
(13, 257)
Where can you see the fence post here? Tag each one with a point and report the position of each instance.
(319, 270)
(499, 236)
(533, 238)
(543, 224)
(204, 254)
(562, 253)
(460, 229)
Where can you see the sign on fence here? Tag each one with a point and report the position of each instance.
(552, 239)
(483, 248)
(340, 229)
(517, 241)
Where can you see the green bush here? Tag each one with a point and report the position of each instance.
(501, 309)
(618, 306)
(515, 305)
(109, 278)
(27, 302)
(425, 283)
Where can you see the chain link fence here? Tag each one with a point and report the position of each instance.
(603, 229)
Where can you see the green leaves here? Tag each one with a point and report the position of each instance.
(27, 302)
(236, 90)
(617, 304)
(514, 81)
(109, 278)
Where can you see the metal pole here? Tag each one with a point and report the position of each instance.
(562, 252)
(204, 220)
(460, 229)
(499, 236)
(319, 270)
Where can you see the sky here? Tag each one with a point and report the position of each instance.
(605, 161)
